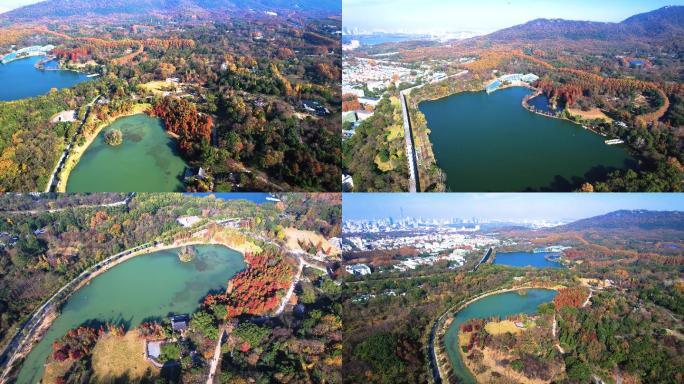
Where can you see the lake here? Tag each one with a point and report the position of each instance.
(526, 259)
(20, 79)
(502, 305)
(148, 160)
(382, 38)
(489, 142)
(147, 286)
(255, 197)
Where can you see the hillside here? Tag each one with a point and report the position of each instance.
(83, 8)
(626, 219)
(666, 22)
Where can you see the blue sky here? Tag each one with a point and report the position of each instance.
(483, 15)
(6, 5)
(533, 206)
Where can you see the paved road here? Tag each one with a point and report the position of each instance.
(25, 333)
(54, 210)
(408, 136)
(51, 185)
(217, 355)
(408, 139)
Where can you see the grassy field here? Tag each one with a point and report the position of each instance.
(501, 327)
(114, 356)
(159, 87)
(55, 370)
(593, 113)
(293, 235)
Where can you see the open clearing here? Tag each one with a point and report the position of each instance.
(293, 236)
(114, 356)
(159, 87)
(593, 113)
(501, 327)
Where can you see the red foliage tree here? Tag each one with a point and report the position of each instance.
(571, 297)
(255, 291)
(183, 120)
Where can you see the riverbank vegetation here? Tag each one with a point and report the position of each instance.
(42, 250)
(629, 72)
(376, 154)
(618, 297)
(266, 85)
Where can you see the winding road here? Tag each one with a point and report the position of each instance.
(411, 156)
(217, 354)
(51, 185)
(28, 331)
(55, 210)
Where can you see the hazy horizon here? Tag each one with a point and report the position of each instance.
(503, 206)
(484, 16)
(8, 5)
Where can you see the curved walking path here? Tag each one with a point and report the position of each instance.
(217, 354)
(411, 156)
(26, 333)
(438, 375)
(51, 185)
(290, 291)
(55, 210)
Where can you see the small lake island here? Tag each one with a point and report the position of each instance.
(500, 305)
(151, 286)
(146, 159)
(490, 142)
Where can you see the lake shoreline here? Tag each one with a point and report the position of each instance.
(558, 172)
(24, 80)
(77, 151)
(45, 322)
(445, 321)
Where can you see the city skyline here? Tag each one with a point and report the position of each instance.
(409, 16)
(501, 206)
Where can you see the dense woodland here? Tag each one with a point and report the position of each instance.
(41, 251)
(388, 316)
(376, 156)
(318, 212)
(305, 347)
(246, 78)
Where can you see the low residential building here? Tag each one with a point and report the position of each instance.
(188, 221)
(347, 183)
(358, 269)
(363, 115)
(179, 323)
(369, 101)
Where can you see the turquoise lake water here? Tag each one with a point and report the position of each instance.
(502, 305)
(145, 287)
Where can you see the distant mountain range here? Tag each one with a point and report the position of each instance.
(625, 219)
(68, 8)
(666, 22)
